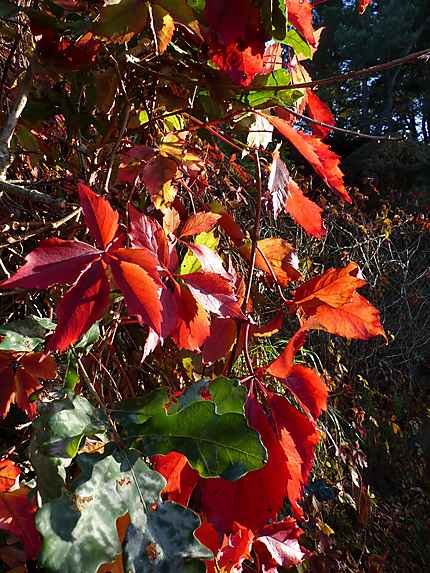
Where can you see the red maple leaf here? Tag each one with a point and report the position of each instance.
(56, 261)
(17, 517)
(20, 373)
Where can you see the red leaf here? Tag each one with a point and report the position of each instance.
(308, 387)
(231, 228)
(300, 16)
(199, 223)
(362, 5)
(221, 339)
(304, 211)
(210, 260)
(302, 430)
(355, 319)
(335, 288)
(158, 171)
(8, 474)
(54, 261)
(17, 518)
(281, 367)
(320, 156)
(278, 184)
(20, 374)
(319, 111)
(242, 65)
(235, 22)
(134, 271)
(193, 321)
(260, 494)
(279, 546)
(101, 219)
(81, 306)
(235, 549)
(148, 233)
(180, 476)
(208, 535)
(214, 292)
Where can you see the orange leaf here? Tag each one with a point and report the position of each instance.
(300, 16)
(308, 387)
(355, 319)
(362, 5)
(235, 549)
(279, 254)
(8, 474)
(304, 211)
(319, 111)
(335, 288)
(320, 156)
(117, 565)
(17, 518)
(20, 374)
(281, 367)
(200, 222)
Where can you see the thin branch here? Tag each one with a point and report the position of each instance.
(31, 194)
(342, 129)
(356, 74)
(7, 65)
(49, 226)
(8, 130)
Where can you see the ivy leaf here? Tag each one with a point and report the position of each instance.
(58, 433)
(290, 454)
(215, 445)
(79, 528)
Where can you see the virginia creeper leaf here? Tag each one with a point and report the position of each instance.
(17, 517)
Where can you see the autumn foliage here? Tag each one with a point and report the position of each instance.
(215, 451)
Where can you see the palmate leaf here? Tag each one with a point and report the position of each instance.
(79, 528)
(213, 435)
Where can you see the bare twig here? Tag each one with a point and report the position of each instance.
(49, 226)
(342, 129)
(354, 75)
(31, 194)
(8, 129)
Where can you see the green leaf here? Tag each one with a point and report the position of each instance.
(24, 335)
(300, 47)
(79, 528)
(139, 410)
(257, 98)
(279, 21)
(227, 395)
(90, 337)
(57, 435)
(215, 444)
(118, 21)
(190, 263)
